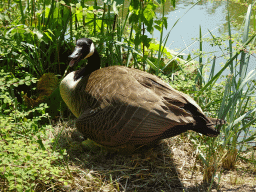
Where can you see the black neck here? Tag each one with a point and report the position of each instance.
(93, 65)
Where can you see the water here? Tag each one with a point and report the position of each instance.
(210, 16)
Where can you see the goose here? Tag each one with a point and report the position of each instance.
(117, 106)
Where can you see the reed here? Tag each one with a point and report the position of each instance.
(237, 107)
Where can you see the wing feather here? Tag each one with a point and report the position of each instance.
(128, 107)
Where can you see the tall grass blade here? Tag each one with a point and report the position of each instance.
(215, 78)
(243, 116)
(199, 77)
(213, 68)
(161, 40)
(243, 63)
(22, 12)
(230, 41)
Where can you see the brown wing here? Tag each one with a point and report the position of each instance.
(128, 105)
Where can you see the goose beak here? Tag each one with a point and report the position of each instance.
(76, 56)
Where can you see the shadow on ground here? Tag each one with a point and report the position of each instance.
(98, 169)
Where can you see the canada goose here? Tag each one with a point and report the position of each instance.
(118, 106)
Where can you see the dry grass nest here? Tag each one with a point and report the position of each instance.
(170, 166)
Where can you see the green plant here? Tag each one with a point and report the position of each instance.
(32, 36)
(27, 161)
(237, 106)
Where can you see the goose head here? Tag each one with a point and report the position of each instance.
(84, 49)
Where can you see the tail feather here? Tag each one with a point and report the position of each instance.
(217, 121)
(207, 125)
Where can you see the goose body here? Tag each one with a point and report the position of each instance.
(120, 106)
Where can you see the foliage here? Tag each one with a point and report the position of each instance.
(24, 164)
(32, 36)
(26, 156)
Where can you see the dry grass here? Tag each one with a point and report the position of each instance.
(170, 166)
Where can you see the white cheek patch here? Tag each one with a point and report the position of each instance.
(92, 48)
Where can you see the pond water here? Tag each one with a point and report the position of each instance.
(210, 16)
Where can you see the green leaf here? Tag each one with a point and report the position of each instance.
(62, 2)
(41, 144)
(21, 82)
(28, 83)
(165, 22)
(157, 27)
(149, 12)
(137, 39)
(115, 8)
(146, 41)
(173, 3)
(119, 2)
(108, 2)
(133, 18)
(48, 35)
(38, 34)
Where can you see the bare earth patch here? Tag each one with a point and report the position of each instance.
(170, 166)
